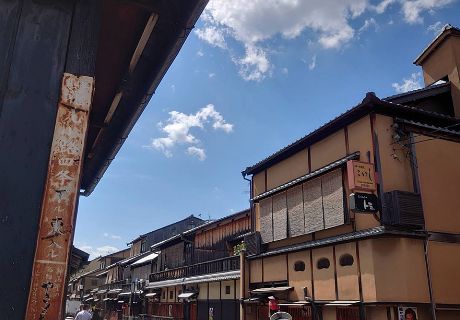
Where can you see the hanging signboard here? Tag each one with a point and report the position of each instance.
(364, 202)
(361, 176)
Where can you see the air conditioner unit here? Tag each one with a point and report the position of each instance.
(403, 208)
(253, 243)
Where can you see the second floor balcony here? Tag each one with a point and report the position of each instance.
(208, 267)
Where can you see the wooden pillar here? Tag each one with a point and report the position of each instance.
(242, 281)
(60, 198)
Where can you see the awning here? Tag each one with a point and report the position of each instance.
(89, 299)
(151, 295)
(106, 299)
(145, 259)
(341, 303)
(230, 275)
(187, 295)
(124, 294)
(96, 300)
(294, 304)
(251, 300)
(271, 290)
(86, 296)
(102, 291)
(115, 290)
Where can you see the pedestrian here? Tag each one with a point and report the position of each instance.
(84, 314)
(273, 305)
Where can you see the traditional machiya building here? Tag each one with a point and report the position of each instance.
(359, 219)
(84, 282)
(75, 76)
(120, 282)
(198, 273)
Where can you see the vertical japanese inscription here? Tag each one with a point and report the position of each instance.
(61, 191)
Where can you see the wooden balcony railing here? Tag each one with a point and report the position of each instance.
(113, 285)
(214, 266)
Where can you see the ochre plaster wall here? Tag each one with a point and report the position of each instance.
(440, 63)
(444, 259)
(275, 268)
(439, 173)
(258, 183)
(203, 291)
(328, 150)
(360, 138)
(366, 260)
(299, 279)
(214, 290)
(256, 271)
(443, 62)
(333, 231)
(231, 295)
(289, 241)
(347, 276)
(324, 279)
(396, 172)
(288, 169)
(400, 272)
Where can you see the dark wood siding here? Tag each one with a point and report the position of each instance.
(33, 45)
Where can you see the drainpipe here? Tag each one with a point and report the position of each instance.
(430, 285)
(244, 174)
(416, 186)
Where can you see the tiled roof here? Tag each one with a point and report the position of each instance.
(230, 275)
(308, 176)
(346, 237)
(369, 105)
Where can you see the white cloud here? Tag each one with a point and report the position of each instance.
(382, 6)
(368, 23)
(436, 27)
(253, 23)
(199, 53)
(285, 71)
(112, 236)
(409, 84)
(211, 75)
(312, 64)
(213, 36)
(178, 130)
(197, 152)
(412, 9)
(99, 251)
(254, 65)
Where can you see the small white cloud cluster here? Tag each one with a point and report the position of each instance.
(112, 236)
(178, 130)
(413, 9)
(409, 84)
(99, 251)
(252, 23)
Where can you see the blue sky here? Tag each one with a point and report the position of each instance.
(251, 78)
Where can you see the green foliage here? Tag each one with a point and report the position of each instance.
(238, 248)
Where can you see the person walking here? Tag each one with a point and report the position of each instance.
(273, 305)
(84, 314)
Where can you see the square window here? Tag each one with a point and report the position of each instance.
(171, 294)
(227, 289)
